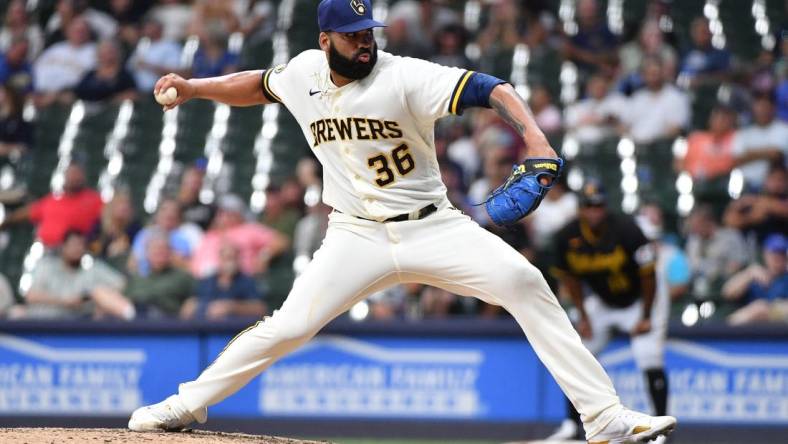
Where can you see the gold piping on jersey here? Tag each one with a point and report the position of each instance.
(270, 95)
(455, 96)
(249, 328)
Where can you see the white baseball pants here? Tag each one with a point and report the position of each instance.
(447, 250)
(648, 349)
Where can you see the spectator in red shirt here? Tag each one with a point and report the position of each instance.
(76, 208)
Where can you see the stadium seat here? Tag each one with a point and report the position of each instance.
(601, 161)
(243, 126)
(713, 192)
(50, 123)
(683, 12)
(195, 119)
(91, 139)
(656, 178)
(704, 98)
(141, 148)
(544, 68)
(739, 25)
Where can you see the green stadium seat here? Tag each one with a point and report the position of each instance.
(775, 10)
(739, 26)
(303, 32)
(544, 68)
(602, 161)
(195, 119)
(243, 128)
(713, 192)
(656, 178)
(91, 139)
(50, 123)
(497, 62)
(257, 55)
(683, 12)
(704, 98)
(141, 148)
(288, 147)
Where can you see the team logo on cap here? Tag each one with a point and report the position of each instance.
(358, 6)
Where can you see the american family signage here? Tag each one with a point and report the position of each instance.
(481, 379)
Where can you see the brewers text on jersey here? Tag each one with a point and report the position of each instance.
(353, 128)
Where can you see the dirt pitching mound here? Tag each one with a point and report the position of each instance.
(121, 436)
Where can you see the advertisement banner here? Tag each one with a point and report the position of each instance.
(334, 377)
(91, 375)
(373, 377)
(712, 381)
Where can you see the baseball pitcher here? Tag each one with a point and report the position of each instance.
(369, 117)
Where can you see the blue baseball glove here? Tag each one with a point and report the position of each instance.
(523, 191)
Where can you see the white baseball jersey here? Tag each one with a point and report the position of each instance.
(375, 136)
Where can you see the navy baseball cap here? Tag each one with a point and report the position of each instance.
(593, 193)
(346, 16)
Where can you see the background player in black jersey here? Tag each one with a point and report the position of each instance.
(607, 267)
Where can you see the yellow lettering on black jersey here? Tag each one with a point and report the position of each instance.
(612, 264)
(596, 262)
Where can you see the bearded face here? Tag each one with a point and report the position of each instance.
(356, 67)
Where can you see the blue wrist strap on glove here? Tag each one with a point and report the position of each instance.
(523, 191)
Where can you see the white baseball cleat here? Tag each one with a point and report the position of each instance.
(630, 427)
(169, 415)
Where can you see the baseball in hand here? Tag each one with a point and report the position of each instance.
(167, 97)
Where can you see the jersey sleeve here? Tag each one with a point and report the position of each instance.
(643, 251)
(433, 91)
(272, 81)
(283, 83)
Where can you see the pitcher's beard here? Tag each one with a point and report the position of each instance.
(350, 68)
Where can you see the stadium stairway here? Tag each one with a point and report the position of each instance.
(91, 138)
(140, 149)
(243, 126)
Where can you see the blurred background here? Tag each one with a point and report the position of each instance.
(128, 233)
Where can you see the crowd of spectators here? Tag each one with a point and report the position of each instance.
(194, 258)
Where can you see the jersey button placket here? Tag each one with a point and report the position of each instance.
(345, 154)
